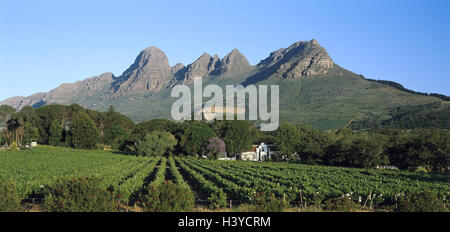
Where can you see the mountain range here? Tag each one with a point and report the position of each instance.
(313, 89)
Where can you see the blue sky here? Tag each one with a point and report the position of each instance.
(46, 43)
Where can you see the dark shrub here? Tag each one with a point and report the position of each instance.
(79, 195)
(266, 202)
(345, 204)
(421, 202)
(276, 157)
(9, 199)
(166, 197)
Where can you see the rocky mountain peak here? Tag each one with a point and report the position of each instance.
(174, 69)
(148, 59)
(235, 55)
(301, 59)
(201, 67)
(233, 62)
(102, 77)
(98, 82)
(314, 42)
(149, 72)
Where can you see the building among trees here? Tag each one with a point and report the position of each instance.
(259, 152)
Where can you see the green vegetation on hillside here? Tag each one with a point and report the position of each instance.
(330, 101)
(400, 87)
(327, 101)
(433, 115)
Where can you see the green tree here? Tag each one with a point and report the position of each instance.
(55, 131)
(74, 109)
(83, 133)
(215, 148)
(113, 119)
(194, 136)
(415, 149)
(311, 144)
(145, 127)
(429, 148)
(356, 150)
(2, 139)
(31, 134)
(287, 138)
(15, 129)
(115, 136)
(5, 112)
(365, 153)
(156, 143)
(438, 147)
(336, 154)
(46, 115)
(237, 135)
(111, 109)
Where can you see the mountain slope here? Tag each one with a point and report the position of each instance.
(313, 89)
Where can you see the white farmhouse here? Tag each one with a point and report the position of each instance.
(258, 152)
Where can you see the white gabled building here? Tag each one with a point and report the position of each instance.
(258, 153)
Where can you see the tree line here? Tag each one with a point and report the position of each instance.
(404, 149)
(74, 126)
(61, 125)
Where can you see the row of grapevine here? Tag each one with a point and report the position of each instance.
(132, 185)
(249, 182)
(178, 178)
(161, 174)
(32, 170)
(233, 190)
(215, 194)
(128, 173)
(331, 182)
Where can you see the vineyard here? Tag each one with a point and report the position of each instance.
(215, 181)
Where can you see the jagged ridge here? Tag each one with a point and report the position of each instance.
(151, 72)
(313, 89)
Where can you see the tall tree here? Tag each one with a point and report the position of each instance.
(5, 112)
(237, 135)
(287, 139)
(311, 144)
(214, 148)
(159, 124)
(56, 132)
(116, 136)
(83, 133)
(156, 143)
(194, 136)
